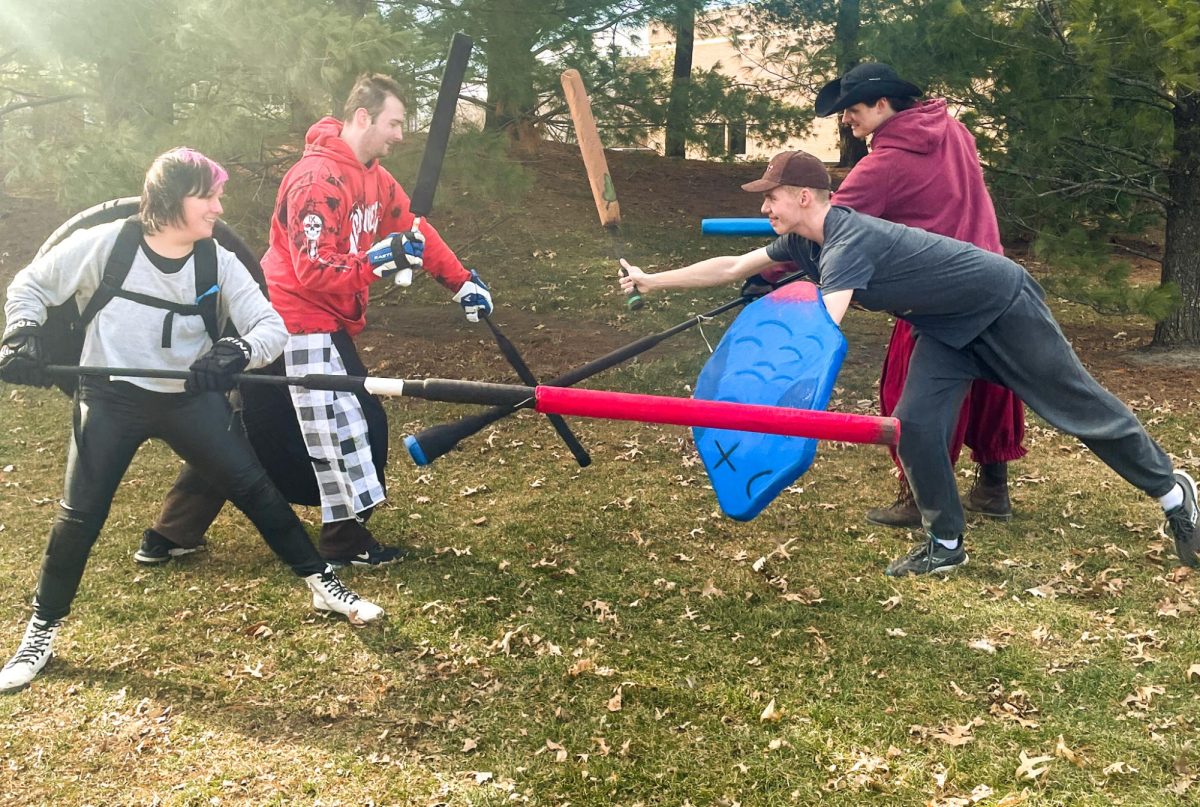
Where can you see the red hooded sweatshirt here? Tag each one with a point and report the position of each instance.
(330, 210)
(923, 171)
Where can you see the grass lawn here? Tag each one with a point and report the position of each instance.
(603, 635)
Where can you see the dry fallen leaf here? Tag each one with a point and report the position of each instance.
(1120, 769)
(560, 753)
(614, 703)
(809, 595)
(469, 745)
(1181, 785)
(1142, 696)
(1062, 752)
(771, 714)
(1028, 769)
(980, 793)
(891, 602)
(958, 735)
(580, 667)
(983, 645)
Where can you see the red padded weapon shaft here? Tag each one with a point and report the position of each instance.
(718, 415)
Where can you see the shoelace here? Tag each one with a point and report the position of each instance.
(1181, 517)
(34, 647)
(337, 589)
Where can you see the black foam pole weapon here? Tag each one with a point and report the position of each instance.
(527, 377)
(421, 201)
(421, 205)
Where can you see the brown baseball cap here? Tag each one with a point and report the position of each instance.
(797, 168)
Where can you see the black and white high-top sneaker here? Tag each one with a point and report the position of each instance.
(31, 656)
(330, 594)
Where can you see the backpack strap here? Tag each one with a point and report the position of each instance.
(120, 261)
(115, 270)
(204, 259)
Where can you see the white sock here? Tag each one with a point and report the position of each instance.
(1172, 499)
(948, 544)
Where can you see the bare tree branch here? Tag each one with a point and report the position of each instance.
(1109, 148)
(1138, 252)
(1075, 188)
(1148, 87)
(13, 106)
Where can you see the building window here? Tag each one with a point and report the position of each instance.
(714, 138)
(737, 138)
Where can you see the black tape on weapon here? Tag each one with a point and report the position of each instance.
(439, 129)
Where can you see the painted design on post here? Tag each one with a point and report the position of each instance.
(610, 191)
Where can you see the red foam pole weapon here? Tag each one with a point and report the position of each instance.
(718, 415)
(579, 402)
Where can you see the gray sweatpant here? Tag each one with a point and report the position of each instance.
(1025, 351)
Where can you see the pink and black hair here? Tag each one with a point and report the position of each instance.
(173, 176)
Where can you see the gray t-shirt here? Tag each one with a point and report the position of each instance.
(949, 290)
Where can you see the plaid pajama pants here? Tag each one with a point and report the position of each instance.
(334, 429)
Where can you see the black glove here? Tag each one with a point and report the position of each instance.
(214, 371)
(757, 286)
(22, 359)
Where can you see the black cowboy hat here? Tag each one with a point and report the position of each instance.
(867, 82)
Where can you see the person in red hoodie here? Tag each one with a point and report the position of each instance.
(923, 171)
(341, 223)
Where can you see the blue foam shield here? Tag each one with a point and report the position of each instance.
(782, 350)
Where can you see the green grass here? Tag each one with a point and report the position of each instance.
(493, 680)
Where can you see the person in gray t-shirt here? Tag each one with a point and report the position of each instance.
(976, 314)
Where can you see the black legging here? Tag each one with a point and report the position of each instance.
(111, 420)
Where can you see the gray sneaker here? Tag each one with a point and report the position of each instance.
(1182, 520)
(928, 557)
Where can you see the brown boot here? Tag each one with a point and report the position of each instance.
(901, 514)
(989, 492)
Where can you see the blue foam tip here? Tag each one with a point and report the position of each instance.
(415, 451)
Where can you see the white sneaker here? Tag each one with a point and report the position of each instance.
(31, 657)
(330, 594)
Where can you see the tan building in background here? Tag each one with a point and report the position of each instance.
(713, 46)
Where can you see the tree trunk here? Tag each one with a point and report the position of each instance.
(845, 38)
(681, 80)
(508, 48)
(1181, 254)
